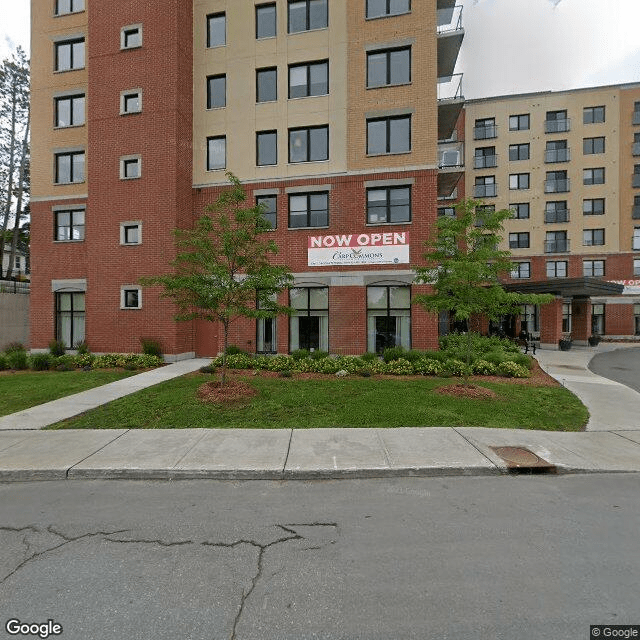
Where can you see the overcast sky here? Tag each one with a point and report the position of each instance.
(510, 46)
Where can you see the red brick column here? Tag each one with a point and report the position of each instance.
(551, 324)
(581, 320)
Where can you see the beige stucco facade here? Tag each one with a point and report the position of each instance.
(46, 84)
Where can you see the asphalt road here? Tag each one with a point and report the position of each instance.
(622, 365)
(539, 557)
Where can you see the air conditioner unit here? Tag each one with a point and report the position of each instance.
(450, 158)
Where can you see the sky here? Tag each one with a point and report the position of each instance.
(510, 46)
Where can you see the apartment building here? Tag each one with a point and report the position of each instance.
(568, 166)
(328, 111)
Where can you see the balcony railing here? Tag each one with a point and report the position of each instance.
(635, 180)
(557, 155)
(635, 211)
(557, 126)
(450, 87)
(559, 215)
(485, 191)
(450, 19)
(556, 186)
(485, 132)
(485, 162)
(556, 246)
(450, 155)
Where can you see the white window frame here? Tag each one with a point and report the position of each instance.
(124, 160)
(124, 32)
(123, 296)
(123, 101)
(123, 232)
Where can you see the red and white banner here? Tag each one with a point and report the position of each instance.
(631, 287)
(358, 248)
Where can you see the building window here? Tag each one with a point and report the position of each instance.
(530, 318)
(69, 110)
(592, 146)
(556, 242)
(309, 326)
(636, 267)
(519, 210)
(446, 211)
(69, 6)
(557, 269)
(593, 176)
(593, 268)
(519, 151)
(635, 179)
(216, 91)
(519, 122)
(266, 337)
(485, 157)
(309, 210)
(306, 15)
(131, 37)
(131, 297)
(130, 233)
(636, 315)
(130, 167)
(309, 79)
(216, 153)
(597, 320)
(519, 240)
(266, 21)
(69, 55)
(556, 182)
(485, 187)
(266, 84)
(266, 148)
(388, 318)
(389, 67)
(216, 30)
(69, 167)
(269, 206)
(131, 102)
(70, 315)
(636, 113)
(484, 129)
(556, 211)
(556, 122)
(566, 317)
(519, 181)
(592, 115)
(380, 8)
(389, 135)
(520, 270)
(635, 243)
(593, 207)
(556, 151)
(309, 144)
(69, 225)
(593, 237)
(388, 204)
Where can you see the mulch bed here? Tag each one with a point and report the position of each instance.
(233, 390)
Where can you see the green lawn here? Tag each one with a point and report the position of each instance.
(346, 402)
(20, 391)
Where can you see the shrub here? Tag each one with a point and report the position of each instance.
(13, 347)
(393, 353)
(233, 350)
(510, 369)
(151, 347)
(369, 357)
(457, 368)
(65, 362)
(285, 373)
(327, 365)
(399, 367)
(84, 360)
(17, 360)
(428, 367)
(208, 369)
(319, 354)
(57, 348)
(484, 368)
(300, 354)
(239, 361)
(4, 364)
(82, 348)
(41, 361)
(521, 359)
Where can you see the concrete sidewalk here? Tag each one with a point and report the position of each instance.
(612, 443)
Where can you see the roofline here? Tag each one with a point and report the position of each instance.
(515, 96)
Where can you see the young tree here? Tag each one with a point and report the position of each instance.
(223, 269)
(14, 147)
(464, 266)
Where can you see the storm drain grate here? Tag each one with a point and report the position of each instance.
(522, 461)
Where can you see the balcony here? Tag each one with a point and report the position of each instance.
(557, 155)
(556, 246)
(450, 103)
(450, 167)
(485, 132)
(450, 36)
(559, 215)
(557, 126)
(485, 162)
(556, 186)
(485, 190)
(635, 212)
(635, 180)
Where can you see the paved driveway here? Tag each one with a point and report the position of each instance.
(622, 365)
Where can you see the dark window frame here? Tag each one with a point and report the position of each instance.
(520, 116)
(308, 66)
(74, 316)
(589, 145)
(308, 16)
(555, 264)
(210, 93)
(210, 139)
(589, 114)
(80, 227)
(72, 7)
(518, 147)
(388, 53)
(265, 70)
(388, 120)
(595, 175)
(595, 211)
(70, 98)
(309, 210)
(387, 203)
(269, 132)
(591, 236)
(594, 265)
(517, 238)
(518, 267)
(72, 64)
(210, 18)
(267, 213)
(266, 5)
(388, 12)
(308, 132)
(518, 210)
(71, 155)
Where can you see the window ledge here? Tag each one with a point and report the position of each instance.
(391, 153)
(266, 101)
(139, 46)
(69, 70)
(305, 228)
(386, 224)
(130, 113)
(297, 33)
(212, 108)
(68, 13)
(306, 162)
(390, 86)
(66, 184)
(319, 95)
(216, 46)
(388, 15)
(67, 241)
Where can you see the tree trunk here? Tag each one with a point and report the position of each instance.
(11, 168)
(16, 228)
(223, 375)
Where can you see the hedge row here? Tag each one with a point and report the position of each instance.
(20, 360)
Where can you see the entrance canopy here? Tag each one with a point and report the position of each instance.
(568, 287)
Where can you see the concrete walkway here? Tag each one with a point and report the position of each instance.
(612, 443)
